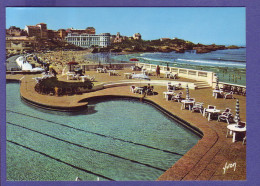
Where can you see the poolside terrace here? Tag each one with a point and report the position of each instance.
(205, 161)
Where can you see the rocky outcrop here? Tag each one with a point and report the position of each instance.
(177, 45)
(208, 48)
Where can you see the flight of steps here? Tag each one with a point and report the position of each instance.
(201, 84)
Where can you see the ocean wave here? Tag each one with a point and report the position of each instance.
(159, 60)
(232, 60)
(147, 53)
(199, 62)
(230, 63)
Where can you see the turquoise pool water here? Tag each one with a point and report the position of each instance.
(111, 140)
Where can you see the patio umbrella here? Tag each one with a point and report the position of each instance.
(134, 59)
(237, 117)
(187, 92)
(217, 81)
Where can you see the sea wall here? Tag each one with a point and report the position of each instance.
(197, 75)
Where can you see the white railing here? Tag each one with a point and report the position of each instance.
(198, 75)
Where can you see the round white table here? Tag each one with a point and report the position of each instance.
(211, 111)
(99, 70)
(166, 95)
(216, 92)
(235, 128)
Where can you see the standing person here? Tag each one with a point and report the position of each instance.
(158, 71)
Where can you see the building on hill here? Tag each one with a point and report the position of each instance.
(137, 36)
(15, 31)
(88, 30)
(62, 33)
(33, 31)
(88, 40)
(52, 34)
(38, 31)
(164, 39)
(119, 39)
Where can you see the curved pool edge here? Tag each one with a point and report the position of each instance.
(179, 169)
(54, 108)
(179, 120)
(187, 163)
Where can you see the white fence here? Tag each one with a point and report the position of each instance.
(197, 75)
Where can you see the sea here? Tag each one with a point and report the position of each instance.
(230, 64)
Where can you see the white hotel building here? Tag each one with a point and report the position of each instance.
(88, 40)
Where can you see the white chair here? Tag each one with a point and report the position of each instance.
(244, 139)
(226, 116)
(132, 89)
(173, 76)
(198, 107)
(229, 95)
(177, 97)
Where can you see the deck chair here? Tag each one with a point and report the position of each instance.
(171, 88)
(244, 139)
(92, 78)
(177, 97)
(132, 88)
(241, 124)
(198, 107)
(226, 116)
(178, 87)
(229, 95)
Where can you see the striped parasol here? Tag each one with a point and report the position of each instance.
(187, 92)
(217, 81)
(237, 117)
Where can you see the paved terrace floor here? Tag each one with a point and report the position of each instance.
(206, 160)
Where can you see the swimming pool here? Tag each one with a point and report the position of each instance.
(117, 139)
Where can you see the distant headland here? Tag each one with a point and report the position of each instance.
(162, 45)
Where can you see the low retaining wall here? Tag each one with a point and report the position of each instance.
(152, 82)
(52, 107)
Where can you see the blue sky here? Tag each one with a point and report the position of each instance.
(223, 25)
